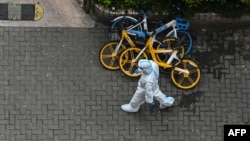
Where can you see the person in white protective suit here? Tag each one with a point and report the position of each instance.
(148, 88)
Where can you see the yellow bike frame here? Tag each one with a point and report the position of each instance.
(127, 38)
(153, 51)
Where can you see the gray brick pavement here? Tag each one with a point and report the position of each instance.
(52, 88)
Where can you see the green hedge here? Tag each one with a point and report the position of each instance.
(137, 4)
(226, 8)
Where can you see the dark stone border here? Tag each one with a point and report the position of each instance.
(200, 20)
(213, 20)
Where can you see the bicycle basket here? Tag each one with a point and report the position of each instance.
(182, 24)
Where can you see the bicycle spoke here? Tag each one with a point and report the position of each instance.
(181, 80)
(107, 56)
(112, 61)
(131, 54)
(182, 37)
(111, 48)
(121, 25)
(118, 25)
(184, 65)
(141, 57)
(168, 43)
(137, 65)
(185, 44)
(190, 80)
(120, 51)
(129, 61)
(192, 71)
(125, 60)
(131, 68)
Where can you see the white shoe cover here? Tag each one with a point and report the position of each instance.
(169, 101)
(129, 108)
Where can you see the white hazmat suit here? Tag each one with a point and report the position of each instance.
(148, 88)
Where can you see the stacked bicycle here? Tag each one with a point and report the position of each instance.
(109, 53)
(126, 52)
(185, 73)
(125, 22)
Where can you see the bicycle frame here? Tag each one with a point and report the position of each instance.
(169, 24)
(153, 52)
(124, 36)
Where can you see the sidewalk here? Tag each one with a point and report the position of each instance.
(57, 13)
(53, 88)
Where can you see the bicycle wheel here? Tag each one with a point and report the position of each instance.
(185, 39)
(127, 61)
(170, 44)
(107, 56)
(122, 23)
(186, 80)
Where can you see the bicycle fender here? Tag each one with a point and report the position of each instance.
(121, 17)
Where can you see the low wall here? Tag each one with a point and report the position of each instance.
(200, 20)
(212, 20)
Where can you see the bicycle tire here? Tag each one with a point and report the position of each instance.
(122, 23)
(127, 61)
(171, 43)
(185, 38)
(183, 80)
(108, 58)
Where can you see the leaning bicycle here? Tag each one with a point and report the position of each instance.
(125, 21)
(185, 73)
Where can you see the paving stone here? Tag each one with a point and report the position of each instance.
(54, 88)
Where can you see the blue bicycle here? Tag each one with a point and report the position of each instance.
(178, 29)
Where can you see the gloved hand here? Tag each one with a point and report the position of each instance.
(137, 71)
(151, 104)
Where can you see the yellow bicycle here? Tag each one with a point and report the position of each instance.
(185, 73)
